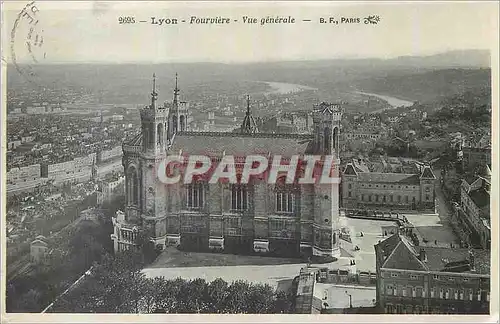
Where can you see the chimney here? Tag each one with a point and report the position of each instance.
(422, 256)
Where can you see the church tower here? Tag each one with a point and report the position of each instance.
(151, 202)
(326, 227)
(326, 121)
(154, 125)
(178, 119)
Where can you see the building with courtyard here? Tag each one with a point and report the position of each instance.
(362, 188)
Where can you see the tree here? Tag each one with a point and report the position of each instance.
(30, 301)
(117, 285)
(260, 299)
(217, 293)
(167, 296)
(236, 301)
(153, 294)
(284, 302)
(192, 297)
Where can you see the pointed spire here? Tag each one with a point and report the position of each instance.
(176, 90)
(249, 125)
(154, 94)
(248, 105)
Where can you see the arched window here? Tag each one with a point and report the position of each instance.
(335, 138)
(182, 122)
(285, 200)
(327, 139)
(239, 197)
(145, 137)
(195, 195)
(151, 136)
(132, 186)
(174, 123)
(159, 133)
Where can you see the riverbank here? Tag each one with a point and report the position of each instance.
(391, 101)
(285, 88)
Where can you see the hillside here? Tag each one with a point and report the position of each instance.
(428, 86)
(413, 78)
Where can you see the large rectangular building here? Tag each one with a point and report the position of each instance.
(362, 189)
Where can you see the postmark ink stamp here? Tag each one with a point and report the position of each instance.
(26, 42)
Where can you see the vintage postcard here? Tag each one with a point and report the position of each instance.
(300, 161)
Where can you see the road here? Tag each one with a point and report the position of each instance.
(86, 273)
(342, 296)
(25, 186)
(266, 274)
(441, 202)
(272, 275)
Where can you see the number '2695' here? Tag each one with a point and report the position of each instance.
(126, 20)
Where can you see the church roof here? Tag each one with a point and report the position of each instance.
(349, 170)
(240, 144)
(135, 141)
(427, 173)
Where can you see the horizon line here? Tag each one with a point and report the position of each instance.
(291, 60)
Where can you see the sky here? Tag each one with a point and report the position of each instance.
(89, 31)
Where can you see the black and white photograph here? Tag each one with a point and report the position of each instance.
(279, 158)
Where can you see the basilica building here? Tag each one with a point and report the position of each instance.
(283, 219)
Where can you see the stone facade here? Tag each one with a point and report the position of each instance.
(363, 189)
(471, 218)
(285, 219)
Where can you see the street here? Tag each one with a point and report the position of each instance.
(345, 296)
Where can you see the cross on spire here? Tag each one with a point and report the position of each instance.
(248, 105)
(176, 90)
(154, 94)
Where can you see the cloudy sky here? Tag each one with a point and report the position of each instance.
(90, 32)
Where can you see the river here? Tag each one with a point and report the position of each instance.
(284, 88)
(392, 101)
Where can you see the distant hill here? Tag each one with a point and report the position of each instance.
(428, 86)
(404, 76)
(452, 59)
